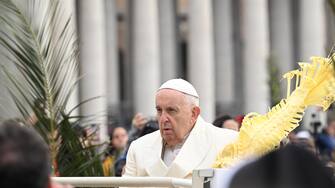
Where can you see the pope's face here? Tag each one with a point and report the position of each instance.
(175, 114)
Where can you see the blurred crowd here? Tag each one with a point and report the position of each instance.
(321, 144)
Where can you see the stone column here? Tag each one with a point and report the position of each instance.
(168, 38)
(201, 55)
(92, 36)
(255, 37)
(224, 56)
(145, 55)
(312, 42)
(312, 35)
(281, 37)
(69, 10)
(113, 87)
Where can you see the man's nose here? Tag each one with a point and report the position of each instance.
(163, 118)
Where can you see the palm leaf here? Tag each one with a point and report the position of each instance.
(43, 48)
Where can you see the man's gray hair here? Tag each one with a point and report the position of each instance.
(192, 99)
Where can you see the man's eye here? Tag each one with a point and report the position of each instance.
(172, 110)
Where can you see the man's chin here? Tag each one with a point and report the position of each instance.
(168, 138)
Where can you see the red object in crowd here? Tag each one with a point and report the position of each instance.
(239, 119)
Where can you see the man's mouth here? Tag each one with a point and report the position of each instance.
(167, 130)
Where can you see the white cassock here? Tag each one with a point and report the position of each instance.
(198, 152)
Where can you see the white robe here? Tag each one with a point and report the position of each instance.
(198, 152)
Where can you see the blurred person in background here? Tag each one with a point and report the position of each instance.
(227, 122)
(326, 141)
(304, 140)
(24, 158)
(141, 125)
(137, 124)
(231, 124)
(118, 144)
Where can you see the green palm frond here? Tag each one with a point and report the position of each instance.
(43, 48)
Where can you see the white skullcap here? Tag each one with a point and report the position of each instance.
(180, 85)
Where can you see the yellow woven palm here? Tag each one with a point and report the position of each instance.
(259, 134)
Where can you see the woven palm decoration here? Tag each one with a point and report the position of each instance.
(259, 134)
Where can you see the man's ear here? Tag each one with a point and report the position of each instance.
(195, 112)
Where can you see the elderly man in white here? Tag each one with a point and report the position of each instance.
(184, 141)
